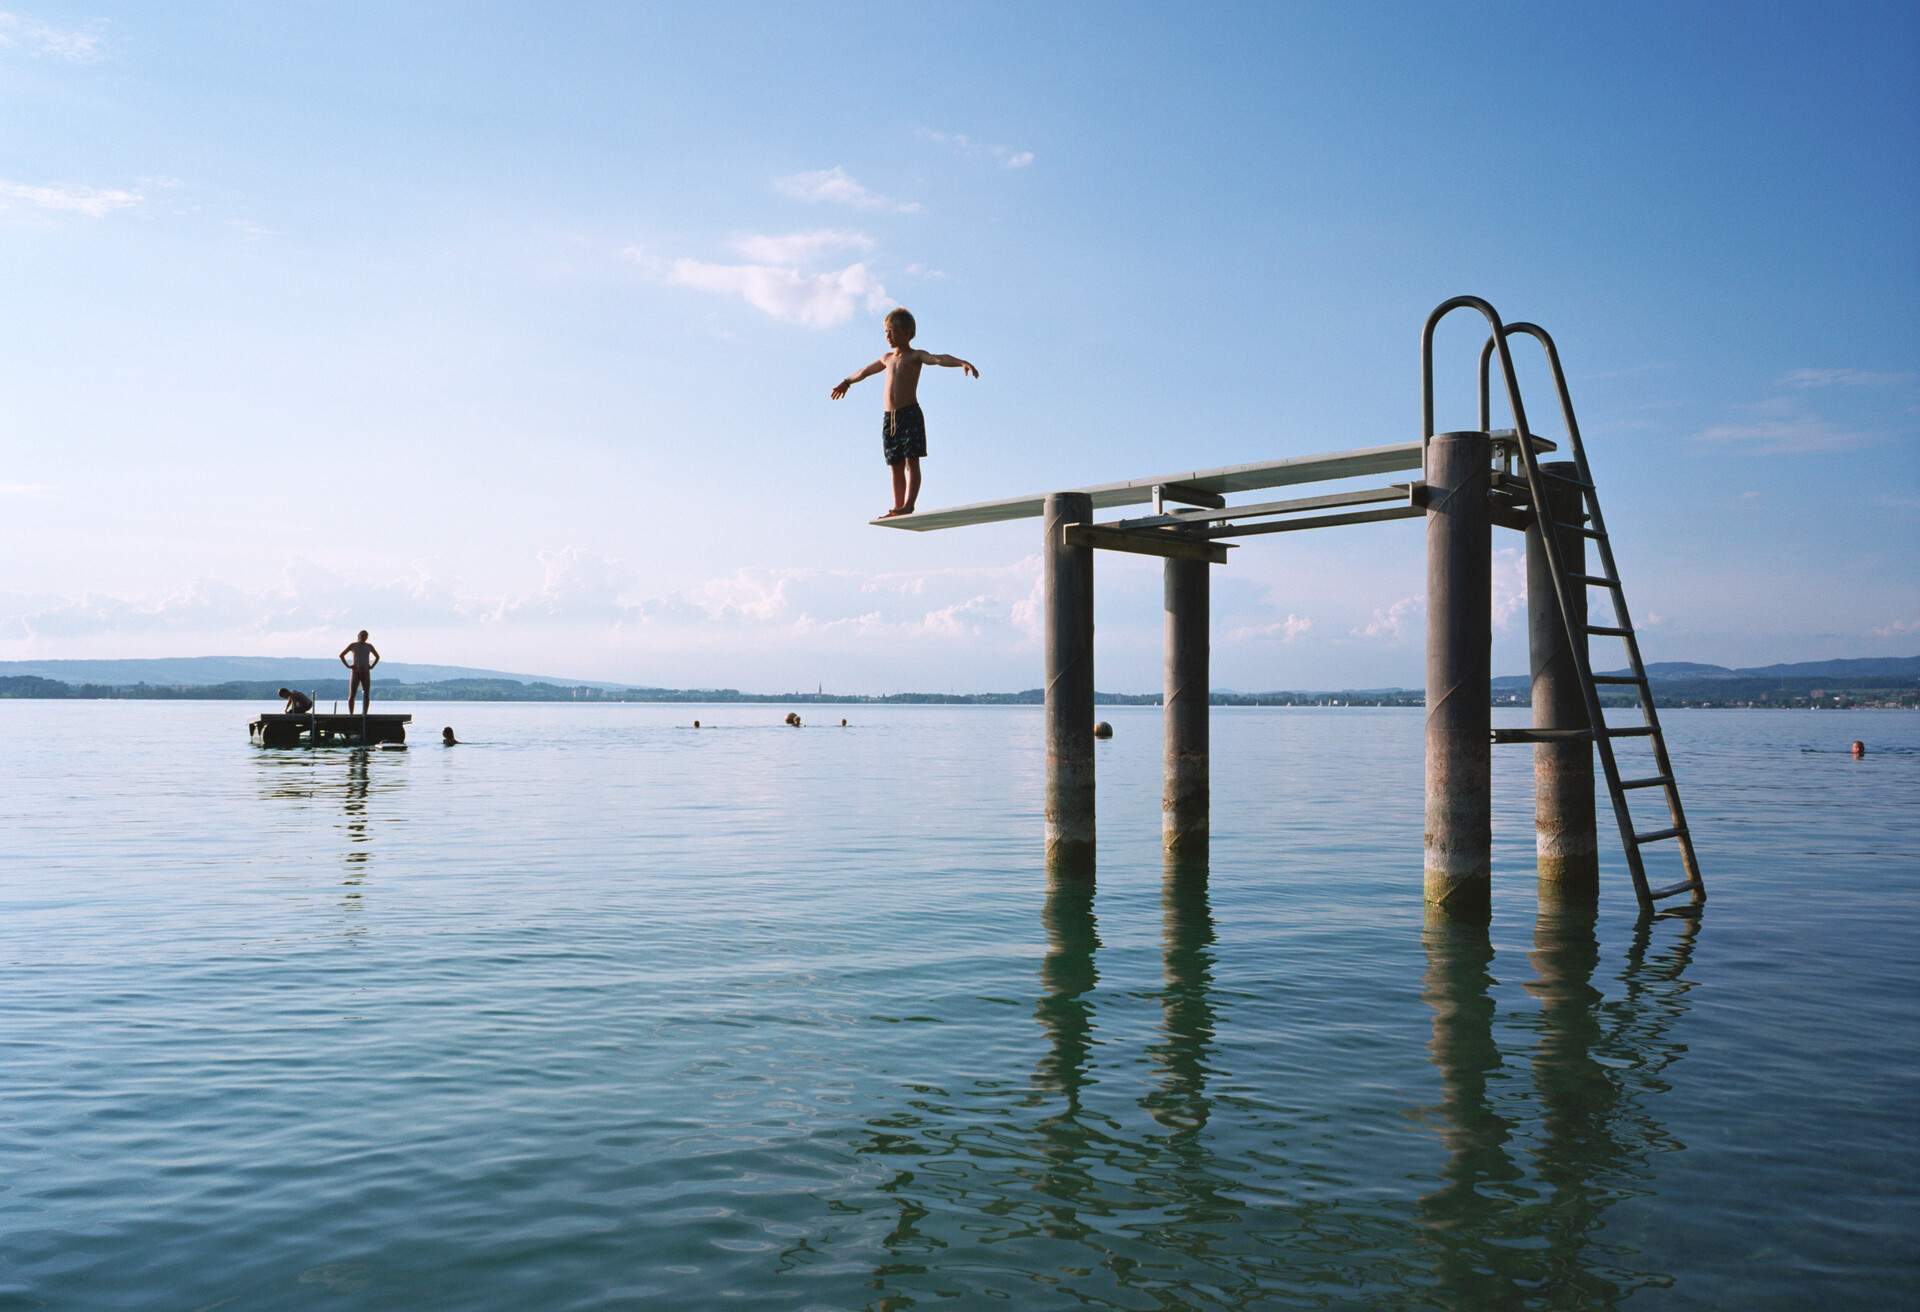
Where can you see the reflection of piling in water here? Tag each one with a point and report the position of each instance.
(1459, 836)
(1467, 1218)
(1563, 818)
(1067, 574)
(1186, 1001)
(1067, 977)
(1501, 1245)
(1184, 795)
(1581, 1151)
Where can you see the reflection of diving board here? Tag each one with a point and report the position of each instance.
(1139, 491)
(318, 730)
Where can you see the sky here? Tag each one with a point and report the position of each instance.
(506, 331)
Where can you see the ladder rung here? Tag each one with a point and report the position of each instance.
(1656, 781)
(1632, 731)
(1659, 834)
(1618, 678)
(1579, 528)
(1595, 581)
(1609, 630)
(1541, 735)
(1683, 886)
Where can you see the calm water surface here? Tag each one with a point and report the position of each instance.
(597, 1010)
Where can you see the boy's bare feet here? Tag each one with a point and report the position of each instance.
(897, 510)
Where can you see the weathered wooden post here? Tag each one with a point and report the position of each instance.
(1067, 574)
(1459, 835)
(1184, 796)
(1563, 819)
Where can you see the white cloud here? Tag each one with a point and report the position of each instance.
(581, 591)
(815, 300)
(26, 489)
(1392, 622)
(1293, 626)
(834, 186)
(1509, 585)
(796, 248)
(1897, 629)
(961, 144)
(75, 45)
(1800, 434)
(1843, 378)
(93, 202)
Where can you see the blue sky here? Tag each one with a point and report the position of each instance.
(506, 331)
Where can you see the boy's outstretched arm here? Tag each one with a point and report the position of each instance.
(851, 379)
(950, 361)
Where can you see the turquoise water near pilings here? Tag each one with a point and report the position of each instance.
(599, 1011)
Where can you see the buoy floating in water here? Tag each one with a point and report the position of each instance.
(1103, 730)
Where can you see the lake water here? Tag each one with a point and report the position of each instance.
(598, 1010)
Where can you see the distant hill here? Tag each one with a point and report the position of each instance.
(1867, 672)
(204, 671)
(1876, 681)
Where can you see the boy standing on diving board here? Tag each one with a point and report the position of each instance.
(903, 429)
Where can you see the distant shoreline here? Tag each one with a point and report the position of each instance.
(1719, 694)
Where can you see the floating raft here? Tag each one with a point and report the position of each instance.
(328, 730)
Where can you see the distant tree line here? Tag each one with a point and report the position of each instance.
(1716, 692)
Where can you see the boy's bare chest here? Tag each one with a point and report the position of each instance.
(902, 373)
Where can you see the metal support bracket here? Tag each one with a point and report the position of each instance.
(1144, 542)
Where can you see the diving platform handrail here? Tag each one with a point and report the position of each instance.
(1139, 491)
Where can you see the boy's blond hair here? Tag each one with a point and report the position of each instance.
(902, 318)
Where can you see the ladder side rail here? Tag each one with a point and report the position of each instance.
(1486, 408)
(1576, 636)
(1644, 689)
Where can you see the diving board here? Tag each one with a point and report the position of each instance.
(1138, 491)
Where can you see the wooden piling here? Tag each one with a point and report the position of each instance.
(1184, 798)
(1563, 816)
(1068, 582)
(1459, 820)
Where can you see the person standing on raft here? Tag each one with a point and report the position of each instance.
(361, 681)
(903, 429)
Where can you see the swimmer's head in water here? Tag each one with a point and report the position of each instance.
(446, 736)
(1859, 748)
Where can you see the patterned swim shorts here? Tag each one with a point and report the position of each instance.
(903, 433)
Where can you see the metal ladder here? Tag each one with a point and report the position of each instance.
(1594, 528)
